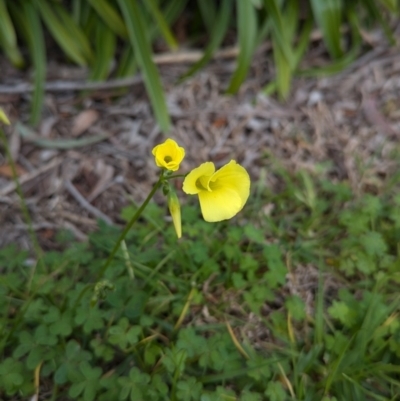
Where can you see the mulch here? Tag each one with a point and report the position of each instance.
(91, 153)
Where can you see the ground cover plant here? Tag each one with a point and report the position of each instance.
(294, 299)
(115, 38)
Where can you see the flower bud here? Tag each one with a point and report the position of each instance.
(175, 210)
(3, 117)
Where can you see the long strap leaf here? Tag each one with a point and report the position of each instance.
(133, 17)
(247, 31)
(110, 16)
(63, 32)
(217, 36)
(8, 38)
(37, 51)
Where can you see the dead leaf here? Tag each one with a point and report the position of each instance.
(219, 122)
(6, 171)
(83, 121)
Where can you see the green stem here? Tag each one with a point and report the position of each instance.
(27, 217)
(129, 225)
(175, 176)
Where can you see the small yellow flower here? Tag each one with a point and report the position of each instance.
(175, 210)
(3, 117)
(222, 193)
(168, 155)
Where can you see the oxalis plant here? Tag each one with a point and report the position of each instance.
(222, 194)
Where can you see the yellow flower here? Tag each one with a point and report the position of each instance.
(222, 193)
(3, 117)
(175, 210)
(168, 155)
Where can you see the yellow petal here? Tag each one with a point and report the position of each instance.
(168, 155)
(222, 194)
(197, 180)
(221, 204)
(232, 176)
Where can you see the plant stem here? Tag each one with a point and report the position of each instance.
(129, 225)
(168, 177)
(27, 217)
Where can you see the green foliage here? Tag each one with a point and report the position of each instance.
(88, 31)
(310, 293)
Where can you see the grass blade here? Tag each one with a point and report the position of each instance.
(136, 29)
(208, 12)
(105, 49)
(304, 41)
(247, 31)
(345, 60)
(376, 13)
(391, 5)
(282, 31)
(8, 38)
(63, 33)
(328, 14)
(127, 64)
(162, 24)
(37, 49)
(173, 10)
(283, 70)
(217, 35)
(75, 31)
(110, 16)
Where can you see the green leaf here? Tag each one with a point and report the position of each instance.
(26, 343)
(328, 14)
(260, 368)
(217, 34)
(190, 342)
(392, 5)
(174, 361)
(275, 392)
(87, 382)
(276, 268)
(90, 318)
(208, 12)
(11, 375)
(102, 350)
(340, 311)
(35, 39)
(73, 356)
(247, 31)
(70, 38)
(127, 64)
(162, 24)
(110, 16)
(247, 395)
(373, 243)
(137, 33)
(105, 49)
(188, 389)
(254, 234)
(8, 38)
(124, 335)
(295, 305)
(135, 386)
(375, 12)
